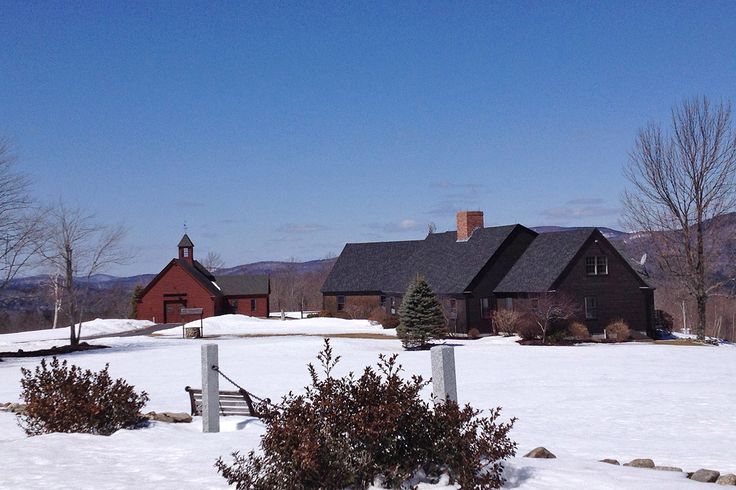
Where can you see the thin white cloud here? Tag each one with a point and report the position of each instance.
(401, 226)
(299, 228)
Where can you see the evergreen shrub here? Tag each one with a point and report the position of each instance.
(64, 398)
(421, 318)
(372, 430)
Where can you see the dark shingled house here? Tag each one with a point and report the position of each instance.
(477, 270)
(185, 283)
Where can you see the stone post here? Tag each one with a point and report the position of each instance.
(444, 383)
(210, 389)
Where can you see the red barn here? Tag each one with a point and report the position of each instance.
(185, 283)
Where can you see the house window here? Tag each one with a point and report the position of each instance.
(234, 304)
(596, 265)
(382, 302)
(253, 305)
(340, 303)
(485, 307)
(453, 306)
(186, 252)
(393, 305)
(509, 303)
(591, 308)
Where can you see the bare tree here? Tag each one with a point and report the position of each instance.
(78, 248)
(505, 321)
(21, 223)
(682, 183)
(549, 308)
(213, 261)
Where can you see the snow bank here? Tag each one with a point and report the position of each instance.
(42, 339)
(246, 325)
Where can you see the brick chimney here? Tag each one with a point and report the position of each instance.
(467, 223)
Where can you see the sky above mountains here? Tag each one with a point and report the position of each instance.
(277, 130)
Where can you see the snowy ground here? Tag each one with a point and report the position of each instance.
(298, 315)
(44, 339)
(240, 325)
(673, 404)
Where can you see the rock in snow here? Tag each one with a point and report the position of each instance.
(170, 417)
(706, 476)
(539, 452)
(640, 463)
(727, 479)
(668, 468)
(610, 461)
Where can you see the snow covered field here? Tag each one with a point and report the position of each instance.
(43, 339)
(245, 325)
(674, 404)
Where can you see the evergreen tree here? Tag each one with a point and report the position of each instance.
(134, 301)
(421, 318)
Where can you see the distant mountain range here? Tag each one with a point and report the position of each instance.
(609, 233)
(628, 243)
(105, 281)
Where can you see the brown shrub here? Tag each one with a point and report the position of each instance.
(618, 330)
(384, 318)
(473, 333)
(376, 428)
(506, 321)
(325, 314)
(64, 398)
(359, 308)
(578, 331)
(527, 327)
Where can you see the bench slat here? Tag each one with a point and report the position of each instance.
(229, 403)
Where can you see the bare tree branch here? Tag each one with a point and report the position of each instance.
(682, 182)
(78, 247)
(21, 223)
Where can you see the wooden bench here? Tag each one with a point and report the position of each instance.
(236, 403)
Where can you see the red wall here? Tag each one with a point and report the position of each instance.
(244, 305)
(175, 281)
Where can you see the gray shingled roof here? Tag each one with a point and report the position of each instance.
(543, 262)
(242, 285)
(185, 241)
(448, 265)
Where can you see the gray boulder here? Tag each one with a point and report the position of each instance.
(170, 417)
(610, 461)
(640, 463)
(727, 479)
(668, 468)
(705, 476)
(539, 452)
(179, 417)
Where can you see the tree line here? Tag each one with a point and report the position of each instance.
(63, 239)
(681, 178)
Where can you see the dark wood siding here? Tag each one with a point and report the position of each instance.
(491, 275)
(618, 294)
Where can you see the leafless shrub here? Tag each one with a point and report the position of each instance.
(618, 330)
(578, 331)
(506, 321)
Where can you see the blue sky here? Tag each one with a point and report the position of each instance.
(285, 129)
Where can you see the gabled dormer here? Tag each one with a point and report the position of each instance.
(186, 249)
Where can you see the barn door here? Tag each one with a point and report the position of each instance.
(172, 310)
